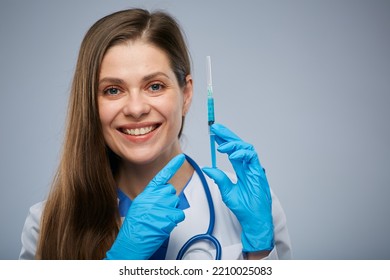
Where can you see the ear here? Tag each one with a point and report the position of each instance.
(187, 95)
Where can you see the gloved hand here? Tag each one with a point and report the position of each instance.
(249, 198)
(150, 219)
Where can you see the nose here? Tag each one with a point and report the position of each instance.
(136, 106)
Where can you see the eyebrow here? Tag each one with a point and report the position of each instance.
(154, 75)
(111, 80)
(144, 79)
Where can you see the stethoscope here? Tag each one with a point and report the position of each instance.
(208, 234)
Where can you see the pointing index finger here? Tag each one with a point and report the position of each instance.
(168, 171)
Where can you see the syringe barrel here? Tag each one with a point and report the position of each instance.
(210, 109)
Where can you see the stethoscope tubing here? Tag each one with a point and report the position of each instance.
(199, 237)
(208, 235)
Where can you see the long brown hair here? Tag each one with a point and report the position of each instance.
(81, 218)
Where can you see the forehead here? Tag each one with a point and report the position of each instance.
(135, 52)
(134, 58)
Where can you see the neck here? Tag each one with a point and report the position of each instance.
(132, 178)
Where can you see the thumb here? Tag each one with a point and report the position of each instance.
(220, 178)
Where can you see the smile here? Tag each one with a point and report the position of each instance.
(139, 131)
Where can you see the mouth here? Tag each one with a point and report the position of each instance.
(139, 131)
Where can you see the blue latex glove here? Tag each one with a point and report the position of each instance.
(249, 198)
(150, 219)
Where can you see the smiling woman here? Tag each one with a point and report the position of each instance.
(123, 189)
(141, 105)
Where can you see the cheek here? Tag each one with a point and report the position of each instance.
(107, 112)
(177, 118)
(104, 117)
(173, 110)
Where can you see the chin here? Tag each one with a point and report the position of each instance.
(142, 157)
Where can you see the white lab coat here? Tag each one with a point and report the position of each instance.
(227, 228)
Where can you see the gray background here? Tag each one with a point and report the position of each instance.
(306, 82)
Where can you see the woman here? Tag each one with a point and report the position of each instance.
(122, 158)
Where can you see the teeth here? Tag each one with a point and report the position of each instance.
(139, 131)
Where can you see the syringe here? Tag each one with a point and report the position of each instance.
(210, 112)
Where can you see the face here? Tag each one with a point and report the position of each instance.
(141, 104)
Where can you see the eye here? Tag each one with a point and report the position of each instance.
(156, 87)
(112, 91)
